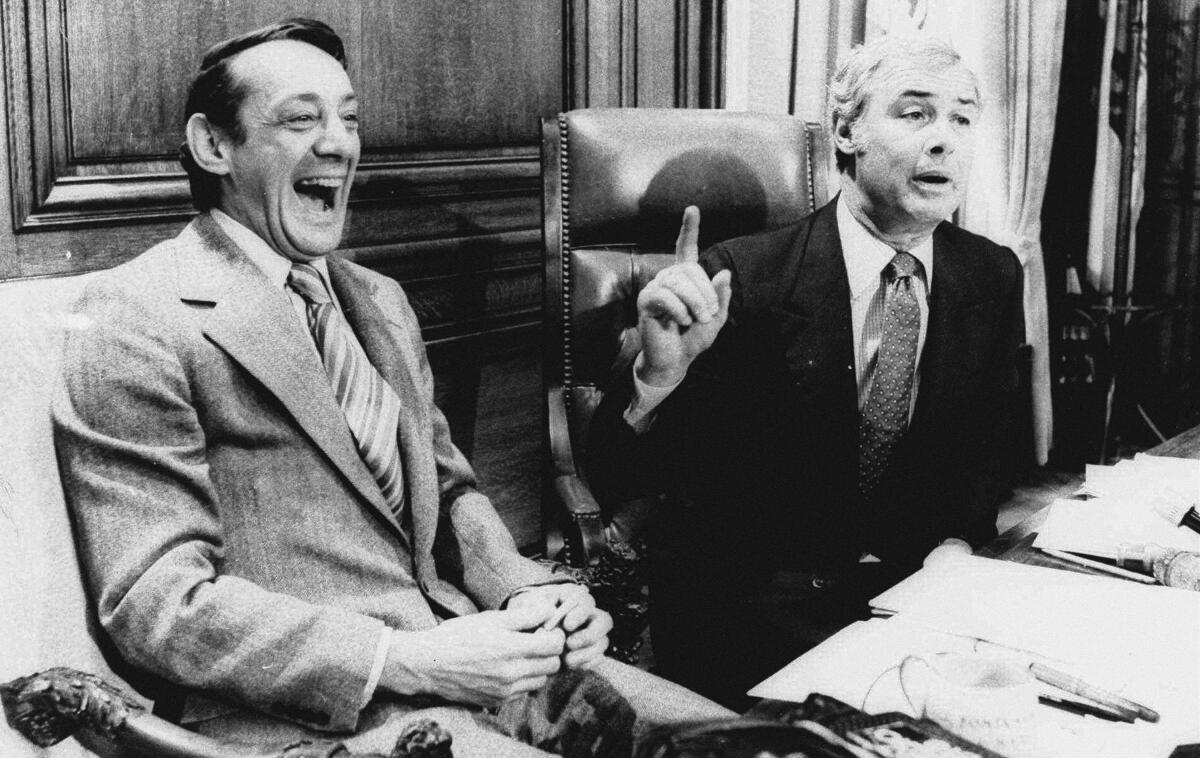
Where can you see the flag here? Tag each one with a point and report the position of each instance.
(1114, 99)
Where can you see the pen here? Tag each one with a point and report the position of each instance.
(1114, 570)
(1081, 708)
(1076, 686)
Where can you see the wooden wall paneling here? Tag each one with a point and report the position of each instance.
(93, 133)
(647, 53)
(655, 48)
(711, 54)
(122, 104)
(465, 74)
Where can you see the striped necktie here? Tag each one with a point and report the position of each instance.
(885, 414)
(371, 406)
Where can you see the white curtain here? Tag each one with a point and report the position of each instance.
(780, 54)
(1015, 46)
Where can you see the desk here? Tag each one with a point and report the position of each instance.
(1015, 544)
(851, 667)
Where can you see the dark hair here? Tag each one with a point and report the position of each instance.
(216, 94)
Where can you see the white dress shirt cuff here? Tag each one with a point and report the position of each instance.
(646, 398)
(381, 654)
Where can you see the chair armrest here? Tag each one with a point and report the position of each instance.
(587, 541)
(48, 707)
(576, 511)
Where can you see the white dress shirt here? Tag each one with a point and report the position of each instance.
(866, 258)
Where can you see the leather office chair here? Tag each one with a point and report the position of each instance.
(615, 183)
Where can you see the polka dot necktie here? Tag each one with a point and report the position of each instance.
(885, 414)
(371, 406)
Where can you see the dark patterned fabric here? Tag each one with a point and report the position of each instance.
(577, 715)
(885, 414)
(618, 583)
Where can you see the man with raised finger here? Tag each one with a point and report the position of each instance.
(826, 404)
(277, 532)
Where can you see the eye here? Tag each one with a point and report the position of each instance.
(300, 120)
(915, 114)
(962, 120)
(351, 120)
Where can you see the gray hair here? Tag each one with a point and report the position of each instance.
(848, 90)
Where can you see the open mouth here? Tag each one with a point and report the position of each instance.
(317, 193)
(932, 180)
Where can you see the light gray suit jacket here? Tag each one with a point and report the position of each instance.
(233, 540)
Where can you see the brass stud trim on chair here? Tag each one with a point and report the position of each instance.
(568, 368)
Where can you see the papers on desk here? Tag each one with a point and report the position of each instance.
(1140, 641)
(1141, 476)
(1123, 509)
(1099, 527)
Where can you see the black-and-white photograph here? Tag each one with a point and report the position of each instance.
(600, 378)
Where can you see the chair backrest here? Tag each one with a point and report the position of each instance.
(615, 183)
(45, 620)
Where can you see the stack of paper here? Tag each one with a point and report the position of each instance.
(1127, 498)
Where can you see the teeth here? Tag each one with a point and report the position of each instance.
(320, 182)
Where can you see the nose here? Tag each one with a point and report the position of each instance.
(942, 139)
(337, 139)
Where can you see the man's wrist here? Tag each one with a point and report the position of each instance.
(657, 376)
(401, 669)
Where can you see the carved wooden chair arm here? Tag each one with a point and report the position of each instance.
(581, 508)
(576, 515)
(50, 706)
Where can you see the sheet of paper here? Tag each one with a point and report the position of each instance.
(1099, 527)
(849, 663)
(1142, 641)
(859, 665)
(1141, 481)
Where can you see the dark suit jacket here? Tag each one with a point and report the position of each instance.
(760, 440)
(234, 542)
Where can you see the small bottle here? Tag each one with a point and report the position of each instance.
(1171, 567)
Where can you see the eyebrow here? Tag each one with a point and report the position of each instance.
(918, 94)
(312, 97)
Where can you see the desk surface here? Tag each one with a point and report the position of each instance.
(1015, 544)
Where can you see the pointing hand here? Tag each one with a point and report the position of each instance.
(681, 311)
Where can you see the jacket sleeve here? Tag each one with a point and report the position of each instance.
(988, 482)
(149, 528)
(474, 550)
(622, 464)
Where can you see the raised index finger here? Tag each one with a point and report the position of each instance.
(687, 245)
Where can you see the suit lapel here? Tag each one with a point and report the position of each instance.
(255, 324)
(821, 343)
(390, 350)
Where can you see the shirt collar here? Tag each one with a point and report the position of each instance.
(274, 265)
(866, 255)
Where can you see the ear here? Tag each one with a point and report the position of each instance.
(207, 143)
(843, 138)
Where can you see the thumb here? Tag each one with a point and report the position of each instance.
(723, 284)
(687, 245)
